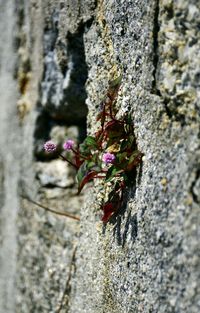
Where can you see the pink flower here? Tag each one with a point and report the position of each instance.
(108, 158)
(68, 145)
(50, 146)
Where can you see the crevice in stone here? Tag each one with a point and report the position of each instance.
(51, 33)
(22, 69)
(171, 106)
(20, 22)
(44, 126)
(133, 225)
(64, 303)
(156, 28)
(193, 187)
(168, 111)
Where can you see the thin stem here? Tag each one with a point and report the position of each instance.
(75, 151)
(111, 114)
(115, 120)
(65, 159)
(51, 210)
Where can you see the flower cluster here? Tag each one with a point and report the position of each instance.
(108, 158)
(111, 154)
(68, 145)
(50, 146)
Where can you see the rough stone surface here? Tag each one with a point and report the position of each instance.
(147, 260)
(55, 173)
(9, 151)
(61, 55)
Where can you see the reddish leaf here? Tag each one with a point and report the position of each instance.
(102, 115)
(86, 179)
(114, 129)
(98, 134)
(110, 124)
(78, 161)
(108, 211)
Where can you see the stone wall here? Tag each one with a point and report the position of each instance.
(56, 62)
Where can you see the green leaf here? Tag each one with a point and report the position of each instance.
(133, 156)
(121, 157)
(112, 172)
(91, 165)
(116, 82)
(135, 159)
(90, 141)
(124, 145)
(129, 120)
(84, 150)
(82, 171)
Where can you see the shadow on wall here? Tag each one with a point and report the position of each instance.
(130, 228)
(62, 109)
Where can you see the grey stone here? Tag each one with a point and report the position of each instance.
(147, 257)
(65, 69)
(55, 173)
(60, 134)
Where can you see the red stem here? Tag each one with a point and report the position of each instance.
(65, 159)
(63, 213)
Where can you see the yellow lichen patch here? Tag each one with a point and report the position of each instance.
(164, 181)
(23, 76)
(23, 107)
(165, 121)
(23, 81)
(114, 148)
(189, 200)
(23, 104)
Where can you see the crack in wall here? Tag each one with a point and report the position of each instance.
(195, 187)
(156, 28)
(23, 63)
(64, 302)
